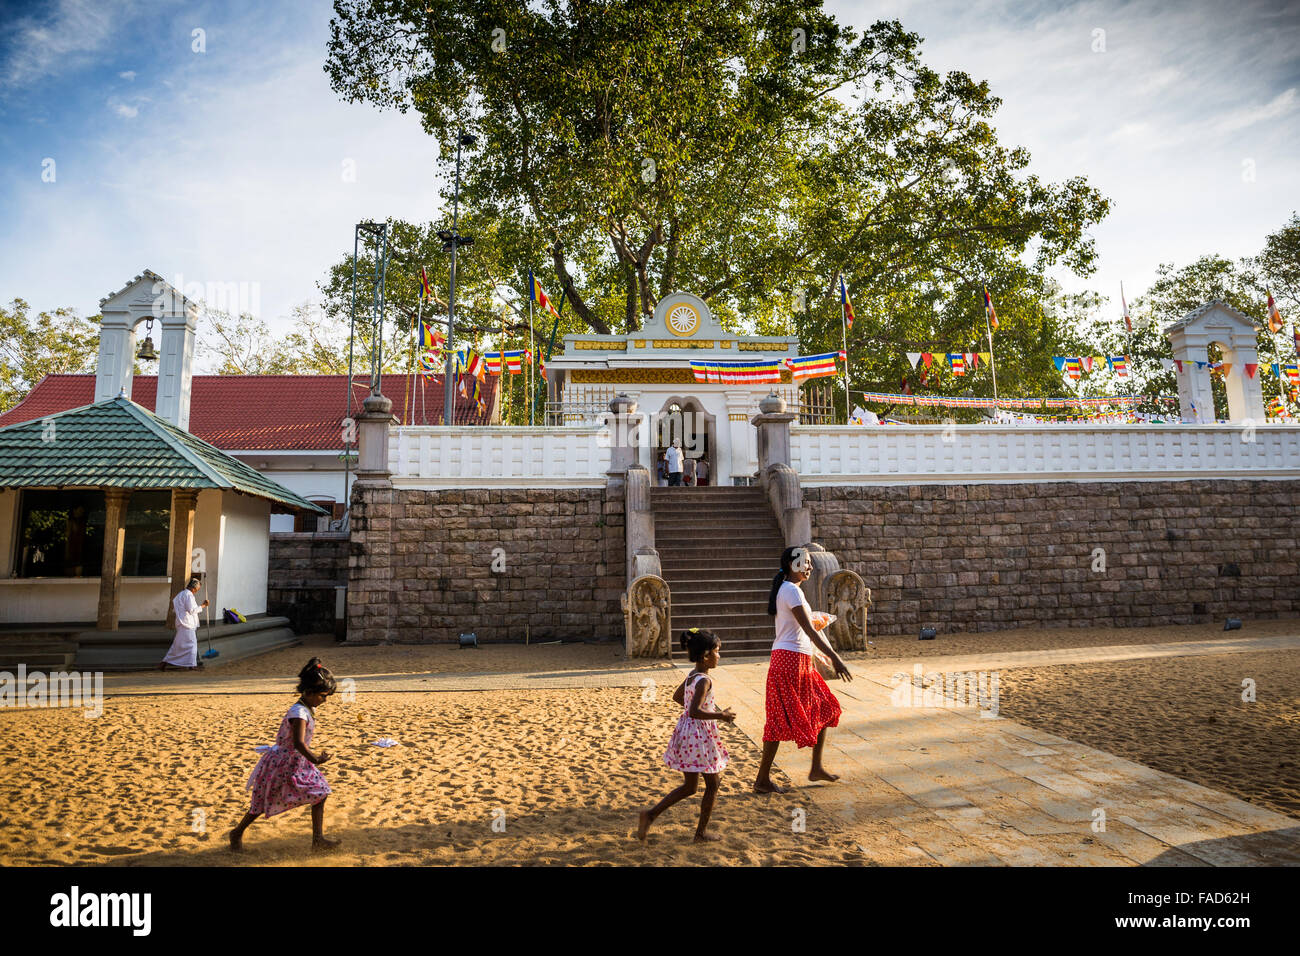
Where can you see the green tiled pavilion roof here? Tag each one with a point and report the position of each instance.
(119, 444)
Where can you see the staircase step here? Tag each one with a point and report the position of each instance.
(686, 595)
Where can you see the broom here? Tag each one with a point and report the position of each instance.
(211, 652)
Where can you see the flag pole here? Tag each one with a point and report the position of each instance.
(410, 383)
(532, 387)
(993, 364)
(844, 333)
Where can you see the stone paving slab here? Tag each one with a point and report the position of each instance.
(1007, 660)
(972, 790)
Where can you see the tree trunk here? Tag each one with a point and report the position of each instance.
(566, 283)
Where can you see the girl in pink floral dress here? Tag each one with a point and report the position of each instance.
(696, 747)
(287, 775)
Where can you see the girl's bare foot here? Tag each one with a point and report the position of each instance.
(643, 824)
(323, 844)
(821, 773)
(706, 837)
(767, 786)
(236, 842)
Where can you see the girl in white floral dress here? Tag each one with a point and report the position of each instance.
(287, 774)
(696, 747)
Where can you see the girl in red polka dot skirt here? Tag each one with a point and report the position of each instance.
(287, 775)
(696, 748)
(799, 704)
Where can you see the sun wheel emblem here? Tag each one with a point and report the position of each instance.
(683, 319)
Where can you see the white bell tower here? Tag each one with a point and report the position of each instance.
(148, 298)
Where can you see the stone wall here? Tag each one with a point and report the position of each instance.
(993, 556)
(421, 564)
(305, 569)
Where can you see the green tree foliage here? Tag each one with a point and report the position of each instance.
(48, 343)
(749, 151)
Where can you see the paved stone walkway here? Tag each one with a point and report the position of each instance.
(1006, 660)
(959, 788)
(973, 790)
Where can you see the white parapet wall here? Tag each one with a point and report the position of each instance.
(945, 454)
(422, 456)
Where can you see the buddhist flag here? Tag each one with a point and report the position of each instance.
(428, 337)
(1274, 317)
(811, 366)
(958, 363)
(1128, 322)
(426, 291)
(1292, 372)
(989, 310)
(1073, 368)
(492, 361)
(1119, 365)
(539, 297)
(844, 301)
(430, 364)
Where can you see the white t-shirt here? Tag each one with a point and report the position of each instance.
(790, 636)
(674, 459)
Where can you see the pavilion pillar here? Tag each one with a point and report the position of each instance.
(110, 576)
(184, 502)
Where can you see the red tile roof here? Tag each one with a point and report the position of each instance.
(299, 412)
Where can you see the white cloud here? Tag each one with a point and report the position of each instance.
(1279, 106)
(128, 75)
(123, 110)
(68, 35)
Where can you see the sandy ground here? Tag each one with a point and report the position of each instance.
(564, 770)
(899, 647)
(1182, 715)
(433, 659)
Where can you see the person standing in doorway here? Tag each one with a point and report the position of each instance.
(688, 471)
(702, 472)
(673, 458)
(184, 651)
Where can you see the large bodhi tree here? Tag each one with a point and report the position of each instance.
(744, 150)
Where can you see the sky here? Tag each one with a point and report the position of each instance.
(130, 141)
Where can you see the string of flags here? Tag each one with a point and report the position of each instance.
(513, 360)
(959, 362)
(766, 371)
(966, 401)
(763, 371)
(1073, 366)
(814, 366)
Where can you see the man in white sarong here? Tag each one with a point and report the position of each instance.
(184, 651)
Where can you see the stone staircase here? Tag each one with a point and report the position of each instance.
(41, 649)
(719, 548)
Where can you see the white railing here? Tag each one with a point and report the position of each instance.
(906, 454)
(422, 456)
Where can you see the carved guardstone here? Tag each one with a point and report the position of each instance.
(647, 612)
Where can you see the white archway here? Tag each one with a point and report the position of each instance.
(1235, 335)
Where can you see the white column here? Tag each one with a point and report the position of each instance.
(176, 369)
(116, 356)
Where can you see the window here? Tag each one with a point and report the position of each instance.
(61, 534)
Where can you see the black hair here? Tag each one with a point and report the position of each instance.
(779, 578)
(315, 679)
(697, 642)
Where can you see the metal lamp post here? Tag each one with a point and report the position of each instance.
(451, 241)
